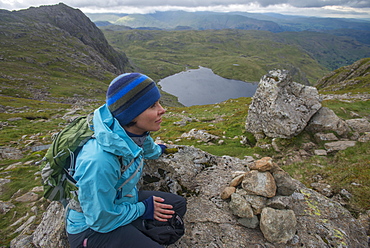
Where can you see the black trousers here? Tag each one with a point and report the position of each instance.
(127, 236)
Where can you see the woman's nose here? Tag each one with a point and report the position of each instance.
(161, 110)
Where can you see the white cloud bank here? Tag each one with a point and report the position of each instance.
(319, 8)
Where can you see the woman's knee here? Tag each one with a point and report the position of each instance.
(178, 202)
(181, 207)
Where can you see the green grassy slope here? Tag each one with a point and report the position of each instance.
(41, 61)
(329, 50)
(354, 78)
(236, 54)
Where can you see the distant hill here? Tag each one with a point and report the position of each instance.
(362, 36)
(179, 20)
(301, 23)
(238, 54)
(330, 50)
(56, 53)
(192, 20)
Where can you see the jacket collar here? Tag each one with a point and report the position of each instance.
(111, 136)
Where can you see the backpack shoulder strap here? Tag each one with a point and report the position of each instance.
(133, 174)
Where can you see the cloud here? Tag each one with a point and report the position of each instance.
(329, 8)
(324, 3)
(211, 3)
(207, 3)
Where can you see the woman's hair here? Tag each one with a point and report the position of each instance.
(130, 124)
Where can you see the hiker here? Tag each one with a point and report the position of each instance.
(111, 216)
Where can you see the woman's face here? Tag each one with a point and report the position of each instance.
(149, 120)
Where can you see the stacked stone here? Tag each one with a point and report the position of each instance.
(261, 198)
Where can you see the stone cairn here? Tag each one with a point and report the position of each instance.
(261, 197)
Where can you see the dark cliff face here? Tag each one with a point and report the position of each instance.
(74, 22)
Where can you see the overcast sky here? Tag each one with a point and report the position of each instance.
(323, 8)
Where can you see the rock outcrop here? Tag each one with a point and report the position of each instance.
(326, 120)
(56, 40)
(280, 107)
(78, 25)
(293, 216)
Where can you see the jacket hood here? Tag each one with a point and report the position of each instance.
(111, 136)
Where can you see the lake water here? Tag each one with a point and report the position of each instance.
(201, 86)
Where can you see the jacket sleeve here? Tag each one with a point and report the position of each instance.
(151, 149)
(97, 176)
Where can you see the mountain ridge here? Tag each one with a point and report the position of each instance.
(48, 51)
(202, 20)
(77, 25)
(43, 36)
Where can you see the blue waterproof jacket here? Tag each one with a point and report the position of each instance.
(98, 174)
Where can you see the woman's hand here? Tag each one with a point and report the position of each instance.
(162, 212)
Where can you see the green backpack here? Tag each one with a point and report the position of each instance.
(57, 167)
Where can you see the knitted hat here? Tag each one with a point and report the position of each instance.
(129, 95)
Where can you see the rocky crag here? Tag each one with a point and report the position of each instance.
(78, 25)
(56, 54)
(265, 208)
(355, 75)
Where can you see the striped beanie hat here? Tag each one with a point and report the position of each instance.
(129, 95)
